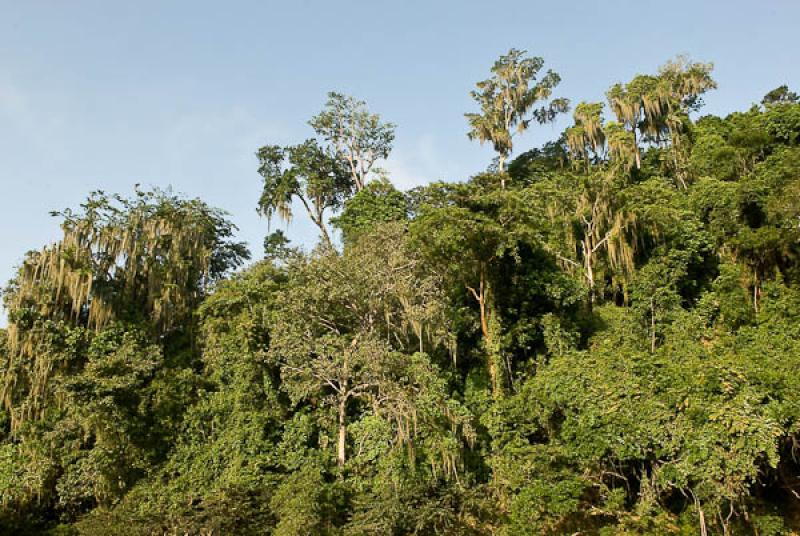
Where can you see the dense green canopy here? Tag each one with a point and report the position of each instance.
(602, 337)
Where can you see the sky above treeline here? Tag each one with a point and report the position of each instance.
(98, 95)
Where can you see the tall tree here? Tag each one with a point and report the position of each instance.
(586, 136)
(148, 258)
(359, 138)
(508, 102)
(352, 328)
(475, 232)
(97, 321)
(633, 105)
(306, 172)
(656, 108)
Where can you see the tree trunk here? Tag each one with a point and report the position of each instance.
(678, 172)
(489, 327)
(488, 331)
(325, 236)
(501, 168)
(589, 267)
(703, 530)
(317, 216)
(482, 306)
(495, 358)
(340, 447)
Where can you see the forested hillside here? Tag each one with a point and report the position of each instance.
(598, 336)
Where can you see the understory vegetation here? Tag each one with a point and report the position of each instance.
(598, 336)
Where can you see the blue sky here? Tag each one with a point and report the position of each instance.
(104, 95)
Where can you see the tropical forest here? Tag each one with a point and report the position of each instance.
(596, 336)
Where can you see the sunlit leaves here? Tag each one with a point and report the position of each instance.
(514, 96)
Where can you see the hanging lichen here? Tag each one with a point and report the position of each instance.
(149, 259)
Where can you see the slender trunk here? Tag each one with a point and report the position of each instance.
(340, 447)
(678, 171)
(317, 215)
(350, 157)
(700, 514)
(495, 358)
(489, 328)
(482, 306)
(589, 266)
(703, 530)
(637, 153)
(325, 236)
(501, 168)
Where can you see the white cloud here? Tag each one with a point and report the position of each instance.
(416, 164)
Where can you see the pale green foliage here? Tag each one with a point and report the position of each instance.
(508, 101)
(655, 108)
(586, 136)
(358, 137)
(346, 331)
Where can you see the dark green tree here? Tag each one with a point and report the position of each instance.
(379, 202)
(305, 172)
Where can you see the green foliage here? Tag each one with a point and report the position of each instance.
(780, 95)
(98, 370)
(305, 172)
(607, 345)
(357, 137)
(379, 202)
(508, 101)
(276, 246)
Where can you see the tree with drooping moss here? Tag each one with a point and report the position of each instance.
(510, 100)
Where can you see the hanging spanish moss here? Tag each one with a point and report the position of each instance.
(149, 259)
